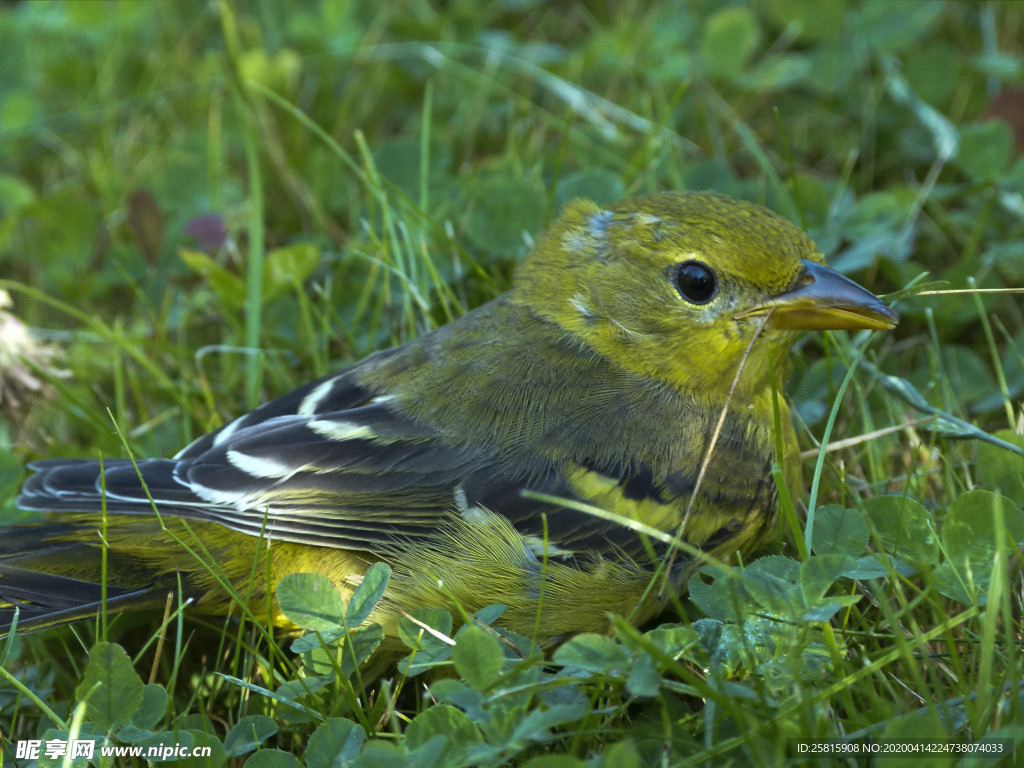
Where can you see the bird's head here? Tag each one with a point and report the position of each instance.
(673, 286)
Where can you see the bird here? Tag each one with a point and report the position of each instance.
(633, 335)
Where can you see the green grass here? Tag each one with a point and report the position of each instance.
(370, 171)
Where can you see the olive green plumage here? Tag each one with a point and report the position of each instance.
(599, 377)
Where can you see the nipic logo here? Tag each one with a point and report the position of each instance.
(33, 749)
(54, 748)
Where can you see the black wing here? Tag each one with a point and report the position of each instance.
(336, 391)
(354, 479)
(332, 464)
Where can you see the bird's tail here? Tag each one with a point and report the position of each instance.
(41, 600)
(52, 573)
(76, 485)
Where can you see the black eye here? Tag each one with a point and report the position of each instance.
(696, 282)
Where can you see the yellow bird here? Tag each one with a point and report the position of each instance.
(599, 377)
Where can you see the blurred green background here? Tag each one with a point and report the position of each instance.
(205, 204)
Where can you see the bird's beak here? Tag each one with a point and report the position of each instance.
(824, 300)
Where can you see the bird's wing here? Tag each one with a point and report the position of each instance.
(334, 464)
(361, 478)
(336, 391)
(357, 479)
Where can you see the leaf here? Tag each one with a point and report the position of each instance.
(961, 584)
(537, 725)
(1008, 259)
(195, 722)
(725, 599)
(874, 567)
(888, 28)
(287, 267)
(723, 643)
(366, 595)
(411, 665)
(416, 637)
(673, 640)
(515, 646)
(228, 287)
(966, 371)
(894, 245)
(985, 148)
(356, 648)
(398, 160)
(295, 689)
(567, 693)
(778, 72)
(15, 194)
(430, 650)
(1000, 470)
(449, 691)
(478, 657)
(623, 754)
(784, 568)
(429, 755)
(381, 754)
(132, 735)
(503, 208)
(825, 610)
(558, 761)
(813, 19)
(215, 759)
(113, 688)
(594, 653)
(969, 527)
(904, 528)
(449, 722)
(310, 600)
(1012, 732)
(272, 758)
(597, 184)
(248, 734)
(360, 645)
(276, 72)
(839, 531)
(490, 614)
(818, 574)
(729, 39)
(317, 639)
(335, 741)
(643, 679)
(774, 583)
(152, 709)
(17, 111)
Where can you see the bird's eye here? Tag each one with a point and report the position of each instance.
(696, 282)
